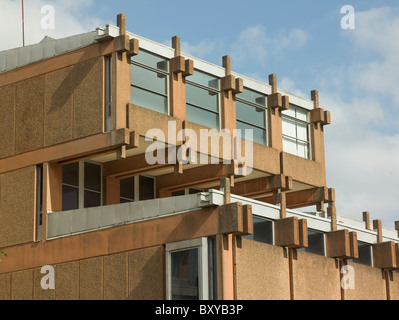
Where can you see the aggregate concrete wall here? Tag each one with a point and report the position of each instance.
(134, 275)
(52, 108)
(17, 206)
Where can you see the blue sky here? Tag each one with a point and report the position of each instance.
(356, 71)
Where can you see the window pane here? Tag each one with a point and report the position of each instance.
(127, 188)
(205, 79)
(70, 174)
(315, 242)
(290, 112)
(303, 149)
(148, 79)
(92, 176)
(92, 199)
(149, 100)
(202, 98)
(253, 96)
(262, 231)
(70, 198)
(146, 188)
(289, 145)
(250, 114)
(259, 135)
(289, 127)
(302, 131)
(302, 114)
(202, 117)
(194, 191)
(184, 269)
(364, 254)
(151, 60)
(178, 193)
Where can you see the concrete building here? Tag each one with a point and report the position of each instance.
(84, 118)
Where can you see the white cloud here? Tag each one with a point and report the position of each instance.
(376, 33)
(257, 44)
(68, 21)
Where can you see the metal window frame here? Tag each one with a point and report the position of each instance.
(203, 265)
(152, 69)
(216, 91)
(81, 188)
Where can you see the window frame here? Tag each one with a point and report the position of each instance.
(81, 187)
(252, 104)
(296, 140)
(203, 265)
(157, 71)
(209, 89)
(136, 181)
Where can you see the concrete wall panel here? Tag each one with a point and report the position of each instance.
(370, 284)
(115, 276)
(29, 109)
(38, 292)
(87, 81)
(5, 287)
(91, 279)
(67, 281)
(262, 272)
(7, 123)
(22, 285)
(17, 206)
(315, 277)
(58, 107)
(146, 274)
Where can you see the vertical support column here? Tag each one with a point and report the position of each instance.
(366, 219)
(280, 198)
(318, 119)
(397, 227)
(225, 255)
(120, 88)
(230, 88)
(179, 70)
(275, 105)
(377, 225)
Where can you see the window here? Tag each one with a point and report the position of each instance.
(296, 131)
(315, 243)
(149, 81)
(137, 188)
(251, 114)
(39, 202)
(187, 270)
(365, 256)
(262, 231)
(202, 94)
(81, 185)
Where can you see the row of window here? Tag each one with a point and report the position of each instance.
(263, 232)
(150, 87)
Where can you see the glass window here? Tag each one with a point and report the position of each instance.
(202, 96)
(81, 185)
(251, 114)
(296, 138)
(184, 269)
(365, 256)
(315, 242)
(145, 186)
(149, 81)
(262, 231)
(188, 268)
